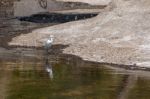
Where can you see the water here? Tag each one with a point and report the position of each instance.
(72, 78)
(27, 74)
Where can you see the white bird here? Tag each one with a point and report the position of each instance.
(47, 45)
(49, 42)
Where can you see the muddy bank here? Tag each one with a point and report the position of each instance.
(119, 36)
(95, 2)
(28, 7)
(111, 37)
(10, 25)
(78, 5)
(13, 27)
(34, 54)
(10, 28)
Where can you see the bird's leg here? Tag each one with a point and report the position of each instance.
(47, 51)
(46, 60)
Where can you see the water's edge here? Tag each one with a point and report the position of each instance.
(36, 53)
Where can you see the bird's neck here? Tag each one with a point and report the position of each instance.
(51, 39)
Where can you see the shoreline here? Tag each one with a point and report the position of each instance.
(59, 53)
(110, 37)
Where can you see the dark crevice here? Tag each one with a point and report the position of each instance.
(55, 17)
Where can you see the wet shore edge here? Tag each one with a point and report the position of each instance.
(57, 50)
(4, 39)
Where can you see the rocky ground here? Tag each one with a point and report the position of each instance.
(119, 35)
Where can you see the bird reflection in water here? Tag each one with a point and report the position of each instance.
(47, 46)
(48, 68)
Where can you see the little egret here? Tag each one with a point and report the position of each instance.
(49, 42)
